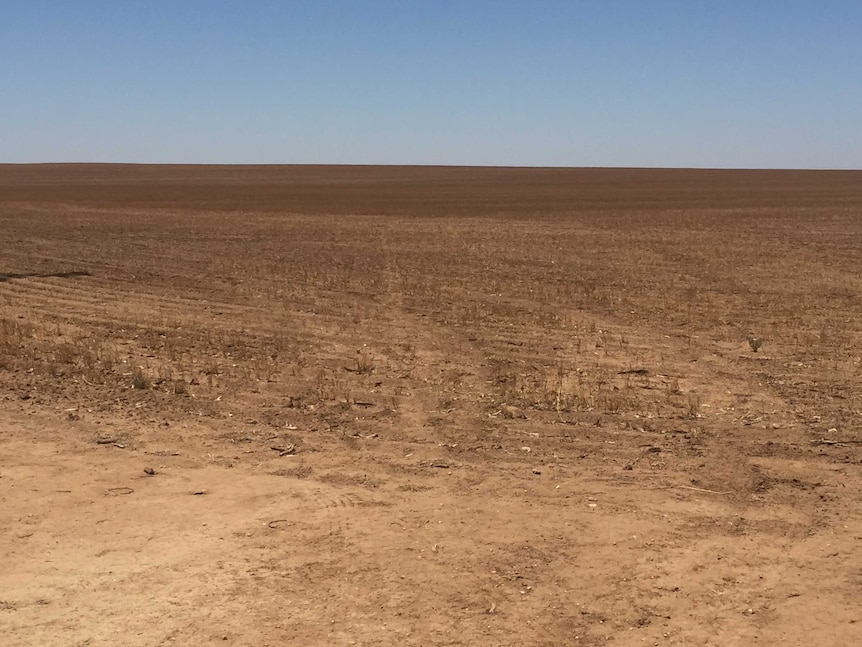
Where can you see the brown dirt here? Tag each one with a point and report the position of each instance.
(439, 406)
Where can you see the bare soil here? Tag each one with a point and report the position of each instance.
(429, 406)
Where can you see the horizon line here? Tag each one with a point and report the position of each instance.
(442, 166)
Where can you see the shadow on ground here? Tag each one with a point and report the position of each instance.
(47, 275)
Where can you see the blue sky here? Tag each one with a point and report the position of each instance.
(703, 83)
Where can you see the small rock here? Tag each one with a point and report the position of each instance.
(512, 413)
(150, 471)
(535, 471)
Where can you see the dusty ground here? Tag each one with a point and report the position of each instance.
(395, 406)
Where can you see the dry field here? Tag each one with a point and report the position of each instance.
(429, 406)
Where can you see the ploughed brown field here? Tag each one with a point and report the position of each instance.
(429, 406)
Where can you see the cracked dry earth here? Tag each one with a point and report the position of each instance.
(429, 406)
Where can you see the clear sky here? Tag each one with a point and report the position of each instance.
(704, 83)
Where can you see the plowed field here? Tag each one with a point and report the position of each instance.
(429, 406)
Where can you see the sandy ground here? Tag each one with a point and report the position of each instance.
(371, 406)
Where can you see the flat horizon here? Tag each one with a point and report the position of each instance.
(453, 166)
